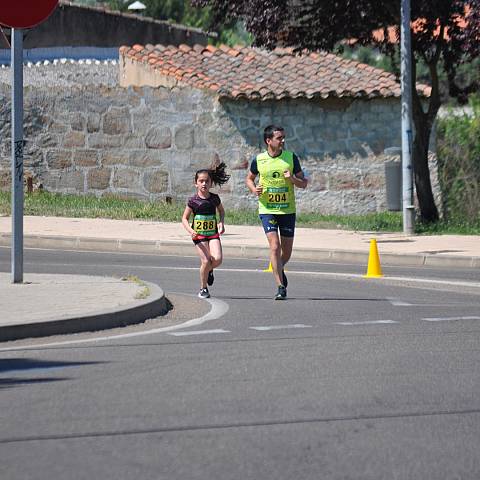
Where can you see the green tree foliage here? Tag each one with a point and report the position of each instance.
(458, 147)
(230, 32)
(466, 74)
(446, 37)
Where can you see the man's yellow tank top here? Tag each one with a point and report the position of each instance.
(278, 195)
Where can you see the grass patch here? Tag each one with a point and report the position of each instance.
(378, 222)
(60, 205)
(452, 226)
(144, 292)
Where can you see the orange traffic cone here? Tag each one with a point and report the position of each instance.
(374, 269)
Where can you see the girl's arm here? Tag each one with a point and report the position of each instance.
(221, 214)
(186, 221)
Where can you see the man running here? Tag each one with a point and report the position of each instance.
(279, 172)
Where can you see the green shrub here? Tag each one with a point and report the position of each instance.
(458, 150)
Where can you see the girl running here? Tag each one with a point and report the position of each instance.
(204, 229)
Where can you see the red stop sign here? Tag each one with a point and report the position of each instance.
(25, 13)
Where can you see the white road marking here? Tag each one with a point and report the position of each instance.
(446, 319)
(397, 302)
(280, 327)
(219, 308)
(368, 322)
(198, 332)
(250, 270)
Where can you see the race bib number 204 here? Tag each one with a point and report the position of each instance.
(277, 197)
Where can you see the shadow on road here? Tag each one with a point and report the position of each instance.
(24, 365)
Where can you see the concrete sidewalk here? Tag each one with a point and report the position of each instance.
(245, 241)
(46, 304)
(52, 304)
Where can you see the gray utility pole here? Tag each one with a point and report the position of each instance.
(17, 155)
(406, 84)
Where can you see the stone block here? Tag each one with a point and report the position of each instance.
(101, 141)
(199, 137)
(58, 159)
(184, 137)
(182, 183)
(85, 158)
(145, 158)
(178, 160)
(98, 178)
(46, 140)
(58, 128)
(374, 181)
(359, 203)
(33, 160)
(344, 181)
(114, 157)
(205, 120)
(304, 133)
(73, 139)
(116, 121)
(126, 178)
(318, 182)
(355, 146)
(71, 180)
(159, 137)
(5, 180)
(141, 119)
(132, 141)
(200, 159)
(93, 122)
(156, 181)
(77, 122)
(242, 164)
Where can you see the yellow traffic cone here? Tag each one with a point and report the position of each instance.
(270, 269)
(374, 269)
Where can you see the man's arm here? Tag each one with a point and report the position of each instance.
(298, 179)
(250, 181)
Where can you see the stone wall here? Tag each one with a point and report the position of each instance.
(147, 143)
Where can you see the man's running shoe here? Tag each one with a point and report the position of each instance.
(210, 278)
(284, 279)
(204, 293)
(281, 294)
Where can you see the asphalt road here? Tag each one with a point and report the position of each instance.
(348, 379)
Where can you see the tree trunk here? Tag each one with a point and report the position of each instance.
(423, 185)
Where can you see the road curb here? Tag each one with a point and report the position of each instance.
(137, 312)
(167, 247)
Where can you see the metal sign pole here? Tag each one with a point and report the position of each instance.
(406, 85)
(17, 155)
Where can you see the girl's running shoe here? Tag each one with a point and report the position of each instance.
(204, 293)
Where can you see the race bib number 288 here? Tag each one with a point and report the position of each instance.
(205, 225)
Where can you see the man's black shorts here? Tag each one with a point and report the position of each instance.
(285, 223)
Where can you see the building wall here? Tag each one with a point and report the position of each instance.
(76, 25)
(146, 142)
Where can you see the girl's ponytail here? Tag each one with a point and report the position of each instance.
(218, 171)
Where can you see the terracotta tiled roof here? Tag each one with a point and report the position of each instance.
(258, 74)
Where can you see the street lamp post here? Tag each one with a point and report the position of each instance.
(406, 86)
(18, 15)
(17, 155)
